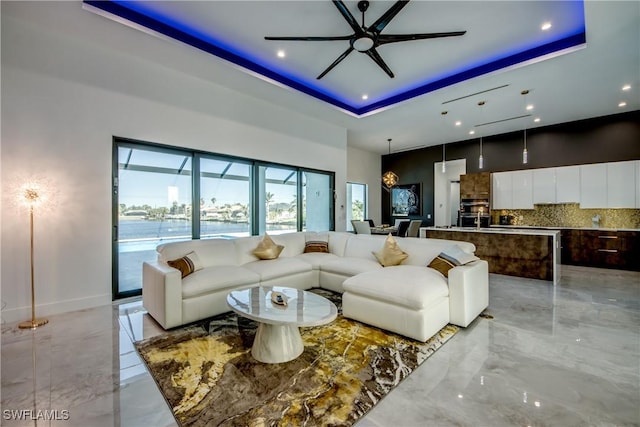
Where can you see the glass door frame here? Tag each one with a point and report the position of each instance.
(119, 142)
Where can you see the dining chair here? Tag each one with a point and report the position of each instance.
(361, 227)
(371, 223)
(414, 228)
(403, 226)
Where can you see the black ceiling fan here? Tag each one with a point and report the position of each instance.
(367, 39)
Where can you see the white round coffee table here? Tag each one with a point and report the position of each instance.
(278, 337)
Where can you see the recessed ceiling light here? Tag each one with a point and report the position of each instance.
(626, 87)
(530, 107)
(365, 97)
(622, 104)
(458, 123)
(537, 119)
(281, 54)
(545, 26)
(472, 132)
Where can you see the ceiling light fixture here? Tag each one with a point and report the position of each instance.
(525, 154)
(546, 26)
(530, 106)
(458, 123)
(537, 120)
(481, 158)
(389, 178)
(622, 104)
(626, 87)
(444, 165)
(281, 54)
(365, 97)
(472, 132)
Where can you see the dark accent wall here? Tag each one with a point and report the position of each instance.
(598, 140)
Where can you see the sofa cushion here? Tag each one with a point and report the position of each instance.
(348, 266)
(210, 251)
(442, 265)
(423, 251)
(293, 243)
(267, 248)
(362, 245)
(216, 278)
(390, 254)
(245, 247)
(338, 242)
(272, 269)
(316, 246)
(421, 286)
(316, 259)
(187, 264)
(456, 255)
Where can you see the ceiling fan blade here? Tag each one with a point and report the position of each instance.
(336, 62)
(348, 17)
(382, 22)
(394, 38)
(373, 54)
(310, 38)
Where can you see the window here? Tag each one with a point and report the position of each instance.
(357, 208)
(278, 199)
(225, 202)
(152, 192)
(163, 194)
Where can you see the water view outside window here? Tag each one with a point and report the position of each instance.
(278, 199)
(356, 203)
(159, 191)
(154, 206)
(225, 202)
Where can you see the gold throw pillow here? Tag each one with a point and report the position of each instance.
(267, 248)
(391, 254)
(187, 264)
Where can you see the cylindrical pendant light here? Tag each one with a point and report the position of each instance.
(481, 158)
(525, 153)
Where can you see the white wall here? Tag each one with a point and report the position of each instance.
(64, 96)
(364, 167)
(441, 189)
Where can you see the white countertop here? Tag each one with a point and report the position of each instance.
(499, 230)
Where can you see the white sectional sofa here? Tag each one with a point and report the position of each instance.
(410, 299)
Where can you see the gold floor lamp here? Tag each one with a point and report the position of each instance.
(31, 195)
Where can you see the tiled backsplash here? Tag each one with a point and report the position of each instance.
(570, 215)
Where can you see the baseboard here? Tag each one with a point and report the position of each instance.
(43, 310)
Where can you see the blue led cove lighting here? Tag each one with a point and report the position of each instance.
(137, 13)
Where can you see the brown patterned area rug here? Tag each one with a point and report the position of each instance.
(207, 375)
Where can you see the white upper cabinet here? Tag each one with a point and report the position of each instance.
(544, 185)
(522, 191)
(502, 190)
(568, 184)
(593, 186)
(621, 191)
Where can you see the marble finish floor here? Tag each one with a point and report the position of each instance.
(552, 356)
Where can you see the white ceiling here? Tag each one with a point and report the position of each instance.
(579, 84)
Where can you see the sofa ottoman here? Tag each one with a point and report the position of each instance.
(407, 299)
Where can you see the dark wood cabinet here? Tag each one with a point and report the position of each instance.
(475, 186)
(601, 248)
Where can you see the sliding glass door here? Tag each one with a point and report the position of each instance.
(165, 194)
(152, 192)
(225, 202)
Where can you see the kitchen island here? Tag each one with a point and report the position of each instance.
(531, 253)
